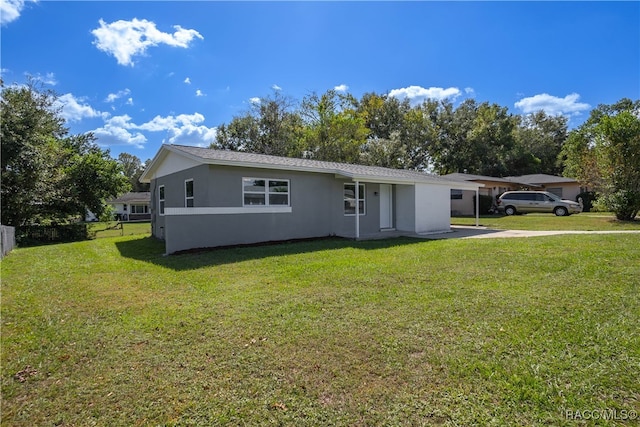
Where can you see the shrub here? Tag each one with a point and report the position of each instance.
(32, 235)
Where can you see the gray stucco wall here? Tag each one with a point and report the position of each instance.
(316, 200)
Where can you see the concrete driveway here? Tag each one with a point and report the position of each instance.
(471, 232)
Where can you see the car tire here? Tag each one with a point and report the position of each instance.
(510, 210)
(561, 211)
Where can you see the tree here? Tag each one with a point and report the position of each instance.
(539, 140)
(270, 127)
(132, 168)
(334, 131)
(47, 174)
(605, 153)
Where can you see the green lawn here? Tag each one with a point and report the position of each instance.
(114, 228)
(537, 221)
(110, 332)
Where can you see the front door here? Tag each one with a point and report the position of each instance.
(386, 206)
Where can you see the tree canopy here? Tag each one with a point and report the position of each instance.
(604, 152)
(47, 174)
(477, 138)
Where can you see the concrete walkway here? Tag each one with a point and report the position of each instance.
(471, 232)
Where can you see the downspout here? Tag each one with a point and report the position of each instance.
(477, 206)
(357, 209)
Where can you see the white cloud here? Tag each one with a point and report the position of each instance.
(129, 101)
(199, 93)
(469, 91)
(116, 132)
(48, 79)
(341, 88)
(126, 39)
(10, 10)
(552, 105)
(184, 129)
(255, 100)
(187, 81)
(418, 94)
(75, 109)
(276, 87)
(113, 96)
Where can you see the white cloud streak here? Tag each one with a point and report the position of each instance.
(10, 10)
(114, 96)
(127, 39)
(75, 109)
(553, 105)
(417, 94)
(341, 88)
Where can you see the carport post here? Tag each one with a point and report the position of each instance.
(357, 209)
(477, 207)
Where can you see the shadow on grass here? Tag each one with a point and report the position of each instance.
(150, 249)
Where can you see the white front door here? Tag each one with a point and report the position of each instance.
(386, 206)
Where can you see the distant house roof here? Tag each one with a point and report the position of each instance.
(141, 197)
(236, 158)
(540, 179)
(470, 177)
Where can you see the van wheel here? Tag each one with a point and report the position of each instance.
(510, 210)
(560, 211)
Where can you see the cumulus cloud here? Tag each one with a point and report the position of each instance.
(418, 94)
(553, 105)
(276, 87)
(187, 81)
(10, 10)
(200, 93)
(341, 88)
(127, 39)
(184, 129)
(75, 109)
(254, 100)
(113, 96)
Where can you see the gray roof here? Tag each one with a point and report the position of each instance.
(139, 197)
(236, 158)
(540, 178)
(470, 177)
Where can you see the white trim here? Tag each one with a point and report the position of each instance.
(228, 210)
(186, 198)
(266, 192)
(161, 211)
(359, 199)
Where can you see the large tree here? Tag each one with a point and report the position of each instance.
(48, 174)
(133, 168)
(604, 153)
(271, 126)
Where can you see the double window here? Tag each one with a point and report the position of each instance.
(139, 209)
(265, 192)
(161, 199)
(350, 199)
(188, 193)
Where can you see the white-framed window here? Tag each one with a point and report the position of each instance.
(188, 193)
(350, 199)
(139, 209)
(265, 192)
(161, 199)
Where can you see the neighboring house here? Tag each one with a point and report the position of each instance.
(132, 206)
(206, 198)
(565, 188)
(462, 201)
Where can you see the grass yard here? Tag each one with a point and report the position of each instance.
(115, 228)
(109, 332)
(538, 221)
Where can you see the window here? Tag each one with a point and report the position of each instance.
(188, 193)
(350, 199)
(161, 199)
(456, 194)
(139, 209)
(265, 192)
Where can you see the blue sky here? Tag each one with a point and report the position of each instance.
(139, 74)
